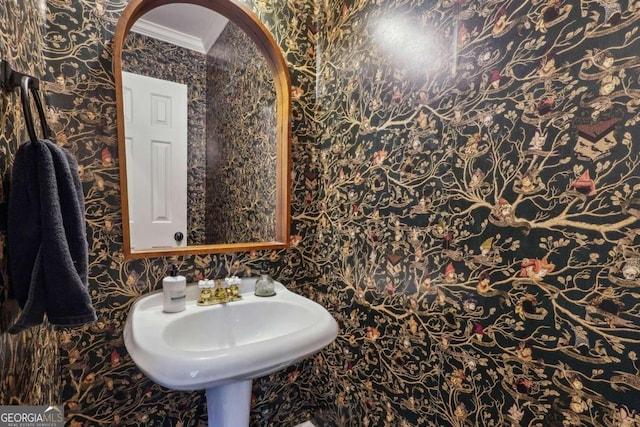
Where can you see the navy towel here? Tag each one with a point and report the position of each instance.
(46, 238)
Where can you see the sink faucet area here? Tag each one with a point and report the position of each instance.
(222, 347)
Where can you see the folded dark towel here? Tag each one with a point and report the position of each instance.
(46, 238)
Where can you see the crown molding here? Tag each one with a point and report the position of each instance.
(169, 35)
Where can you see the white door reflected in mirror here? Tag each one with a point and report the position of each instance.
(156, 149)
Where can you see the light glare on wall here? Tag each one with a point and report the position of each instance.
(412, 44)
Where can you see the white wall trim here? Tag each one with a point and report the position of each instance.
(165, 34)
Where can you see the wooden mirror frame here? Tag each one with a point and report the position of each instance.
(240, 15)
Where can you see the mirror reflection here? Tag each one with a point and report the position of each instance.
(200, 121)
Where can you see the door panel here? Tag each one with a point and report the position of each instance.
(156, 129)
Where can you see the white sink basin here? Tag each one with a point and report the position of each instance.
(222, 348)
(207, 347)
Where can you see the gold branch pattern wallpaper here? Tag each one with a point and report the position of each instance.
(23, 365)
(241, 141)
(465, 183)
(478, 182)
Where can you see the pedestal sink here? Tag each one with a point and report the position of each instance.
(222, 348)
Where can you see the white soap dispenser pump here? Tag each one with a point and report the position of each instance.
(174, 291)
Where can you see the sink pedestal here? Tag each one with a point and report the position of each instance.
(252, 338)
(228, 405)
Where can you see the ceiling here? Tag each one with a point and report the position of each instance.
(186, 25)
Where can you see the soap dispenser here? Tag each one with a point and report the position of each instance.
(174, 291)
(265, 285)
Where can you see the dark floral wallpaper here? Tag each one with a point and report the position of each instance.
(465, 203)
(241, 141)
(478, 195)
(28, 358)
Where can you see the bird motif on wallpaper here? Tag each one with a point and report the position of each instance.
(503, 215)
(551, 14)
(536, 269)
(529, 183)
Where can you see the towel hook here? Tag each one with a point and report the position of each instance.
(10, 79)
(26, 108)
(46, 132)
(25, 87)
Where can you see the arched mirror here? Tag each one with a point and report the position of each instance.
(203, 130)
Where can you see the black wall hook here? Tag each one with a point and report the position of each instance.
(26, 107)
(11, 79)
(29, 85)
